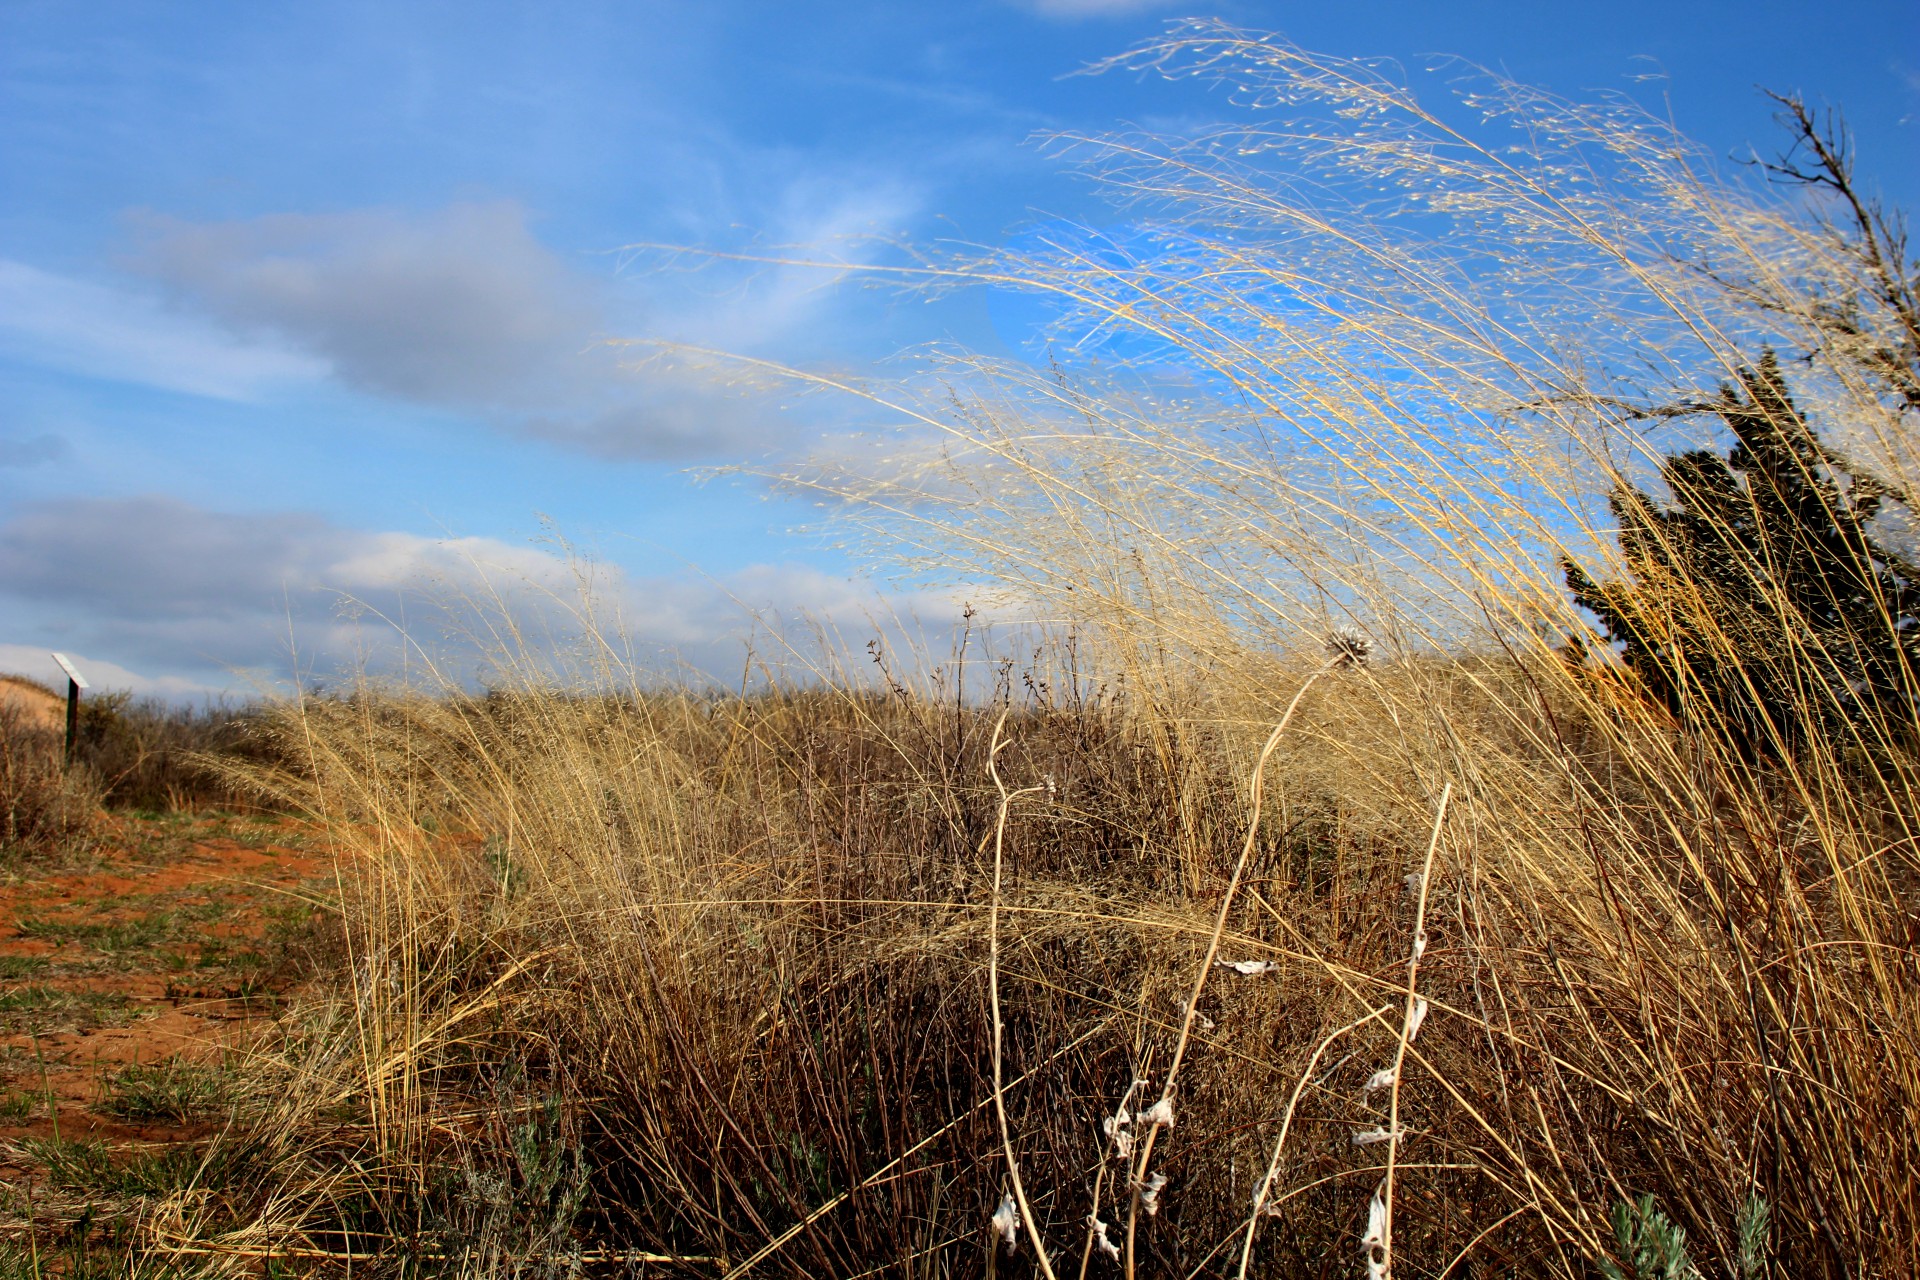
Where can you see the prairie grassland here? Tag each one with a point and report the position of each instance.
(1184, 944)
(734, 955)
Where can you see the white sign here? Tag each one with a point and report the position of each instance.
(73, 673)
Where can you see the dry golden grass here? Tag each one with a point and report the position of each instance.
(738, 953)
(911, 980)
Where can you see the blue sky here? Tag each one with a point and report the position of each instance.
(298, 301)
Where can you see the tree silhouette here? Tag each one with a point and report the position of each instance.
(1761, 599)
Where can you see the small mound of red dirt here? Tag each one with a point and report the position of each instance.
(31, 705)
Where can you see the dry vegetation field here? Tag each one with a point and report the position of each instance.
(1318, 896)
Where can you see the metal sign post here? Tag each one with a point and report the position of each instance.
(75, 683)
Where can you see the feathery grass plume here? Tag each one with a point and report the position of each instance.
(1368, 358)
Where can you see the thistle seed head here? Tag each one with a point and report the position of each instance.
(1348, 648)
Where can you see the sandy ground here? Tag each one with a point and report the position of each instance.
(32, 704)
(163, 946)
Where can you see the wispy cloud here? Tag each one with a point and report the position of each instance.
(130, 335)
(820, 230)
(1077, 9)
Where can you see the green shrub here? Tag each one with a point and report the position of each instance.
(1761, 600)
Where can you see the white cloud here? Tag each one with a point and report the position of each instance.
(130, 336)
(38, 664)
(463, 307)
(157, 585)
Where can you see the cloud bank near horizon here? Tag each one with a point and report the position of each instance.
(217, 600)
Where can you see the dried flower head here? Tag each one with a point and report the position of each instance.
(1376, 1135)
(1418, 1016)
(1200, 1020)
(1374, 1243)
(1348, 648)
(1160, 1113)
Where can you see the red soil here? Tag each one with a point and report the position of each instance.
(205, 900)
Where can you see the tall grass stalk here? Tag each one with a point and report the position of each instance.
(993, 996)
(1410, 1020)
(1162, 1113)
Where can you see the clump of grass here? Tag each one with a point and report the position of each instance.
(83, 1164)
(40, 1006)
(173, 1090)
(107, 937)
(46, 809)
(171, 758)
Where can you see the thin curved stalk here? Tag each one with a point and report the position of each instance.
(1286, 1123)
(1407, 1029)
(993, 996)
(1256, 795)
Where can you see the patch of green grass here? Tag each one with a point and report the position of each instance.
(18, 1108)
(39, 1005)
(172, 1091)
(14, 968)
(72, 1162)
(82, 1164)
(20, 1260)
(254, 837)
(288, 911)
(215, 953)
(108, 937)
(247, 959)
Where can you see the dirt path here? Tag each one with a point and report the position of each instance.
(127, 983)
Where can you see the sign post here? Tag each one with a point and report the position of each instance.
(75, 683)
